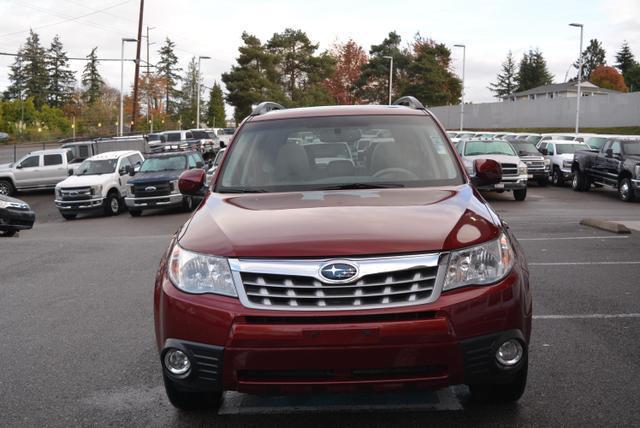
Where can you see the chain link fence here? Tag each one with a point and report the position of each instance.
(13, 152)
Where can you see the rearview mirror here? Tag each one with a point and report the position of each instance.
(192, 182)
(488, 172)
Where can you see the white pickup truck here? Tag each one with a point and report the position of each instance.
(42, 169)
(100, 183)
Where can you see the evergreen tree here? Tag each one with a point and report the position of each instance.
(61, 79)
(29, 76)
(16, 89)
(632, 80)
(506, 80)
(187, 98)
(168, 69)
(592, 57)
(533, 71)
(625, 62)
(91, 80)
(215, 112)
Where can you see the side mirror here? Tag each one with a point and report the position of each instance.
(192, 182)
(488, 172)
(210, 164)
(19, 166)
(545, 152)
(222, 144)
(70, 172)
(129, 170)
(609, 153)
(199, 164)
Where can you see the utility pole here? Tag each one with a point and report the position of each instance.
(200, 58)
(390, 58)
(149, 115)
(134, 110)
(580, 61)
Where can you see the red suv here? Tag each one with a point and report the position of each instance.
(311, 265)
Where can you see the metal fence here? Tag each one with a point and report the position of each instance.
(13, 152)
(614, 110)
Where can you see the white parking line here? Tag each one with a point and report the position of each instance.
(573, 237)
(584, 316)
(581, 263)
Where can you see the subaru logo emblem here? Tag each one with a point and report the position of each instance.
(338, 272)
(150, 189)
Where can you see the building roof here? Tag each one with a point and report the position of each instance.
(562, 87)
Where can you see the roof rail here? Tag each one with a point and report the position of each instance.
(266, 107)
(409, 101)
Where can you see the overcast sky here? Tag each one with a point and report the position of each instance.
(213, 28)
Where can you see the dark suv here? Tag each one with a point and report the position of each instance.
(155, 185)
(303, 272)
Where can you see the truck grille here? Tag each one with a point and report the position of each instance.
(151, 189)
(509, 169)
(75, 193)
(303, 289)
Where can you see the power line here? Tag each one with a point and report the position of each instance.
(69, 58)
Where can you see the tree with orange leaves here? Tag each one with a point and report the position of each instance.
(608, 78)
(349, 59)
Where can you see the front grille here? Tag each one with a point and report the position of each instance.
(148, 190)
(509, 169)
(534, 165)
(76, 193)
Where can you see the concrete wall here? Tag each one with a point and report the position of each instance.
(595, 111)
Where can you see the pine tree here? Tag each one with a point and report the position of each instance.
(16, 77)
(187, 96)
(34, 70)
(533, 71)
(626, 63)
(592, 57)
(168, 69)
(215, 113)
(61, 79)
(91, 80)
(506, 80)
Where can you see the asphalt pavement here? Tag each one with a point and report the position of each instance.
(76, 322)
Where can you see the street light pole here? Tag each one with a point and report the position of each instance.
(579, 77)
(198, 95)
(464, 58)
(121, 121)
(390, 58)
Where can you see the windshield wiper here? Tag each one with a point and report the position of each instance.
(242, 190)
(362, 186)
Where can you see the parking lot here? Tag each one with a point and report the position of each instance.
(77, 327)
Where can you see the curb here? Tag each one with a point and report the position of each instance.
(609, 226)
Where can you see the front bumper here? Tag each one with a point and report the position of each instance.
(537, 175)
(87, 204)
(450, 341)
(154, 201)
(517, 183)
(11, 219)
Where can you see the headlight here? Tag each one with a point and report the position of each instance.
(174, 187)
(131, 187)
(547, 162)
(4, 204)
(480, 265)
(637, 171)
(96, 190)
(58, 192)
(522, 168)
(566, 164)
(200, 273)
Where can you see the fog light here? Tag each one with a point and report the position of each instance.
(176, 362)
(510, 353)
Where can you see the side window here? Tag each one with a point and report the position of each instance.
(192, 161)
(51, 160)
(124, 162)
(616, 147)
(31, 162)
(70, 155)
(551, 149)
(580, 139)
(188, 135)
(84, 151)
(135, 160)
(542, 146)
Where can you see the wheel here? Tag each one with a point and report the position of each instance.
(579, 183)
(557, 178)
(189, 400)
(6, 188)
(542, 182)
(112, 204)
(69, 216)
(625, 191)
(188, 204)
(503, 392)
(8, 233)
(520, 194)
(135, 213)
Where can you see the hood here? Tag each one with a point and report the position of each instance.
(565, 156)
(6, 198)
(339, 223)
(154, 177)
(497, 158)
(85, 180)
(5, 166)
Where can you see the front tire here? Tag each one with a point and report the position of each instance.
(625, 191)
(520, 194)
(190, 400)
(503, 392)
(8, 233)
(579, 183)
(112, 205)
(557, 178)
(188, 204)
(6, 188)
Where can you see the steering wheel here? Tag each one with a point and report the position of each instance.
(394, 172)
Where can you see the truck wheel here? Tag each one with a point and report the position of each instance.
(69, 216)
(579, 183)
(189, 400)
(135, 213)
(520, 194)
(8, 233)
(501, 393)
(112, 204)
(625, 191)
(188, 204)
(557, 178)
(6, 188)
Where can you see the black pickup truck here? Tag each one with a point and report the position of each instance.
(155, 185)
(616, 165)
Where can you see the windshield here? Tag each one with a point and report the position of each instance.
(154, 137)
(270, 156)
(596, 142)
(164, 163)
(632, 147)
(477, 148)
(563, 149)
(96, 167)
(534, 138)
(525, 149)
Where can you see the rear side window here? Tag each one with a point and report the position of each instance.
(70, 155)
(50, 160)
